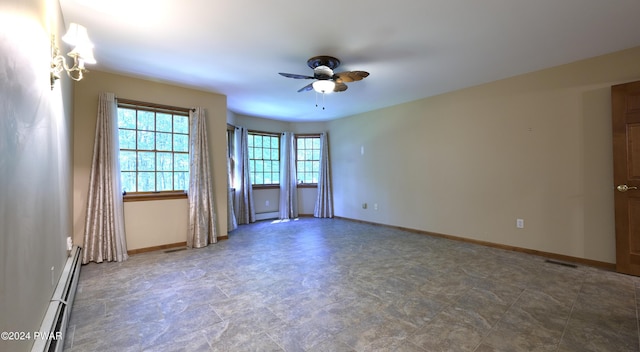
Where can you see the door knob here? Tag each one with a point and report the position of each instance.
(624, 188)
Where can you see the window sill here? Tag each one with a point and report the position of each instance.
(265, 186)
(145, 196)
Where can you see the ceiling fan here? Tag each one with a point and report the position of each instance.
(326, 81)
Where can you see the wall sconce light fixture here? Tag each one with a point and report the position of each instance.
(82, 53)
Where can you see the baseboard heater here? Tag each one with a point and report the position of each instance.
(54, 325)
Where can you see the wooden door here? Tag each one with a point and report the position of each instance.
(625, 101)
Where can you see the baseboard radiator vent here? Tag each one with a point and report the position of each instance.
(54, 325)
(267, 216)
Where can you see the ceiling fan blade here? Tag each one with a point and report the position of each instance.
(296, 76)
(340, 87)
(350, 76)
(306, 88)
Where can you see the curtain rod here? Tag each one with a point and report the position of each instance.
(153, 105)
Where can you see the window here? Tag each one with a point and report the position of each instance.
(264, 158)
(307, 159)
(154, 148)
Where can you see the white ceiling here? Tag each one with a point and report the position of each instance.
(411, 48)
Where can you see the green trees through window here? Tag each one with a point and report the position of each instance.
(264, 158)
(307, 159)
(154, 149)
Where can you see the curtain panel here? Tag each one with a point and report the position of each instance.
(202, 215)
(288, 178)
(324, 200)
(104, 234)
(232, 222)
(245, 212)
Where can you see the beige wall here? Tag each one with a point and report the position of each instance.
(156, 223)
(142, 222)
(35, 165)
(470, 162)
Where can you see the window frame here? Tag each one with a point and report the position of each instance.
(155, 108)
(305, 135)
(251, 172)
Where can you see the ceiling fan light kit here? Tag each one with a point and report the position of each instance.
(324, 86)
(326, 81)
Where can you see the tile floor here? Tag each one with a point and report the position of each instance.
(337, 285)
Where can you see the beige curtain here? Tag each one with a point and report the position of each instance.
(104, 236)
(324, 200)
(202, 216)
(245, 212)
(288, 181)
(232, 223)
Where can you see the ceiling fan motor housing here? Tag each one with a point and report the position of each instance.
(322, 72)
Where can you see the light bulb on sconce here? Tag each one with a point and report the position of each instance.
(82, 54)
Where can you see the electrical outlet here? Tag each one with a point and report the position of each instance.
(266, 203)
(364, 205)
(520, 223)
(375, 206)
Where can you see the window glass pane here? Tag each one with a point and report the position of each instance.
(307, 156)
(264, 156)
(250, 141)
(126, 118)
(181, 181)
(164, 162)
(146, 182)
(181, 162)
(164, 181)
(146, 120)
(180, 143)
(146, 140)
(180, 124)
(163, 141)
(128, 180)
(146, 161)
(127, 139)
(163, 122)
(148, 143)
(127, 161)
